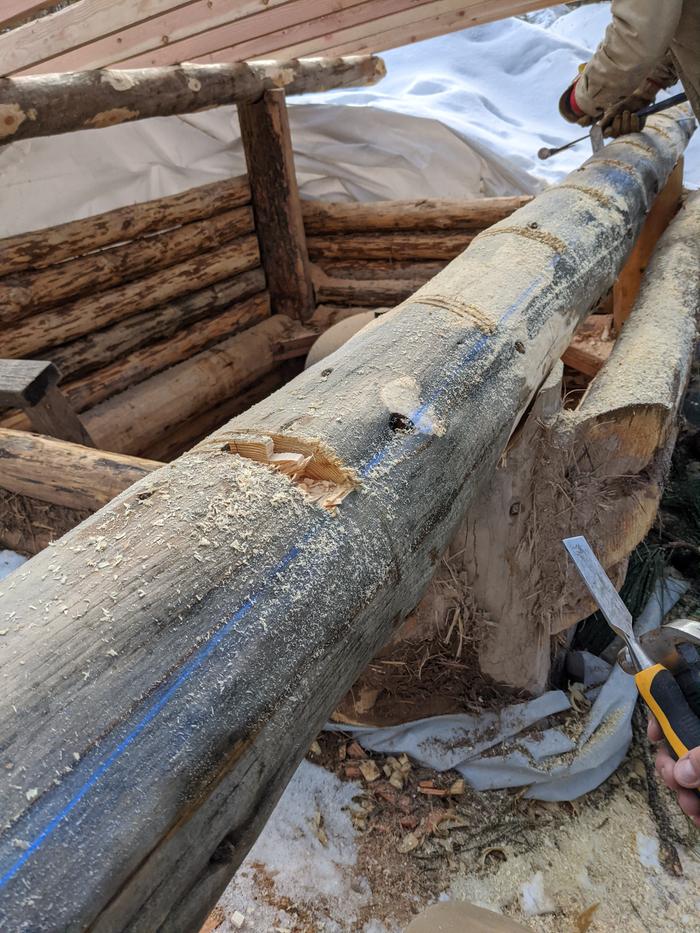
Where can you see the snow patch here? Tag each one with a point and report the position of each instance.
(9, 561)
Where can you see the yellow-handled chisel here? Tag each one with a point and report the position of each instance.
(656, 684)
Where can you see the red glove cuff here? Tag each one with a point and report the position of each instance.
(572, 100)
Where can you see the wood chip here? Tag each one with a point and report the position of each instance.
(434, 791)
(457, 788)
(355, 750)
(237, 919)
(409, 842)
(370, 771)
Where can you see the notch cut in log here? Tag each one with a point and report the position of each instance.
(65, 474)
(267, 143)
(47, 105)
(591, 346)
(244, 611)
(40, 248)
(32, 386)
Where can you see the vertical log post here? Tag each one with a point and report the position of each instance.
(278, 218)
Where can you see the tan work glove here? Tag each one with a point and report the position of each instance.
(623, 119)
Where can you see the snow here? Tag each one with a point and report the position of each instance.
(301, 866)
(9, 561)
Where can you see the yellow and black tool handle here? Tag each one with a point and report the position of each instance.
(665, 699)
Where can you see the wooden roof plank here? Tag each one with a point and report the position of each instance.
(185, 21)
(431, 27)
(251, 43)
(82, 23)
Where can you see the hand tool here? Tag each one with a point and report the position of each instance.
(655, 683)
(596, 134)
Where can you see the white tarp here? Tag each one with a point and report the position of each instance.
(457, 116)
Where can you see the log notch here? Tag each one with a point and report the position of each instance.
(47, 105)
(32, 386)
(278, 220)
(244, 610)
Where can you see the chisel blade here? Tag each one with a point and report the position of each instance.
(600, 587)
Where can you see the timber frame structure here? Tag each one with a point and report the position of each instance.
(218, 574)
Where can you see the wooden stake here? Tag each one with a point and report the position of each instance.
(278, 218)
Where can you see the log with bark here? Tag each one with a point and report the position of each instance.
(65, 474)
(323, 217)
(59, 325)
(40, 248)
(45, 105)
(27, 293)
(243, 609)
(403, 245)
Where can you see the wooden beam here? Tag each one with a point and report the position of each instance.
(662, 211)
(147, 44)
(14, 11)
(451, 20)
(92, 312)
(269, 33)
(46, 105)
(591, 345)
(53, 245)
(31, 386)
(403, 245)
(210, 617)
(70, 475)
(406, 24)
(27, 293)
(279, 224)
(321, 217)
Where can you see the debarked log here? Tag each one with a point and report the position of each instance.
(220, 612)
(45, 105)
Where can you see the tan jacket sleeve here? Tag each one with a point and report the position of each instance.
(634, 46)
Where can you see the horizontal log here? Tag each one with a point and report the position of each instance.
(65, 474)
(188, 433)
(379, 293)
(59, 325)
(40, 248)
(426, 214)
(103, 346)
(28, 292)
(244, 610)
(46, 105)
(151, 359)
(379, 269)
(405, 245)
(133, 420)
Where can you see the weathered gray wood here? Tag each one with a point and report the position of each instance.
(31, 385)
(25, 382)
(40, 248)
(44, 105)
(220, 614)
(65, 474)
(278, 221)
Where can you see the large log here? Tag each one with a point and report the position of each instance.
(46, 105)
(40, 248)
(426, 214)
(59, 325)
(29, 292)
(65, 474)
(404, 245)
(103, 346)
(242, 609)
(133, 420)
(380, 269)
(146, 361)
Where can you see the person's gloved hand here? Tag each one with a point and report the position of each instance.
(623, 119)
(570, 110)
(680, 776)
